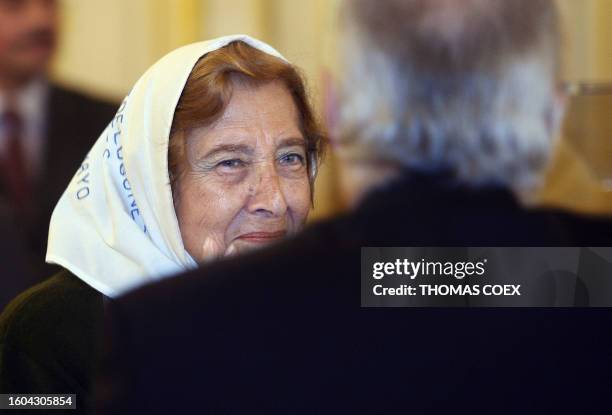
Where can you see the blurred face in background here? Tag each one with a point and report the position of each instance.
(247, 183)
(28, 31)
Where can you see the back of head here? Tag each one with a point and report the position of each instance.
(460, 85)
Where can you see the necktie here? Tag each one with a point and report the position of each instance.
(14, 169)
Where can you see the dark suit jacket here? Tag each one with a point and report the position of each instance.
(282, 330)
(74, 122)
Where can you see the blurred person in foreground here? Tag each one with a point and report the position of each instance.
(452, 108)
(213, 153)
(45, 131)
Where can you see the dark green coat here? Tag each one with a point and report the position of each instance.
(49, 337)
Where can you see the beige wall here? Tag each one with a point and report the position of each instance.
(588, 35)
(579, 177)
(106, 45)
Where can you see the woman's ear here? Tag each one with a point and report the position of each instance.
(313, 170)
(313, 166)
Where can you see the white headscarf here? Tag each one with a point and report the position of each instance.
(115, 226)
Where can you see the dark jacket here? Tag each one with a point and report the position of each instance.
(74, 122)
(282, 330)
(48, 339)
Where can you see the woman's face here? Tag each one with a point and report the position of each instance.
(246, 183)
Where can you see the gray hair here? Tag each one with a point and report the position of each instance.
(460, 85)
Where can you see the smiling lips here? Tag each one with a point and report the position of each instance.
(262, 236)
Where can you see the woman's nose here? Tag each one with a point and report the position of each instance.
(266, 197)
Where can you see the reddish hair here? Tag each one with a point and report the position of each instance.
(209, 89)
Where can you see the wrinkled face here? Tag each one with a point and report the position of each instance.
(27, 36)
(246, 183)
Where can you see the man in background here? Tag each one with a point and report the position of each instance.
(45, 132)
(449, 110)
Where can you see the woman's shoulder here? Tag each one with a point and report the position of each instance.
(53, 309)
(48, 337)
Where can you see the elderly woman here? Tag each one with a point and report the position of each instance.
(214, 152)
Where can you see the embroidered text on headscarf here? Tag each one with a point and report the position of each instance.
(113, 154)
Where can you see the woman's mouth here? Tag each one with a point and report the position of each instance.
(262, 237)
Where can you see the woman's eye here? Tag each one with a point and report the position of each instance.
(292, 159)
(233, 164)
